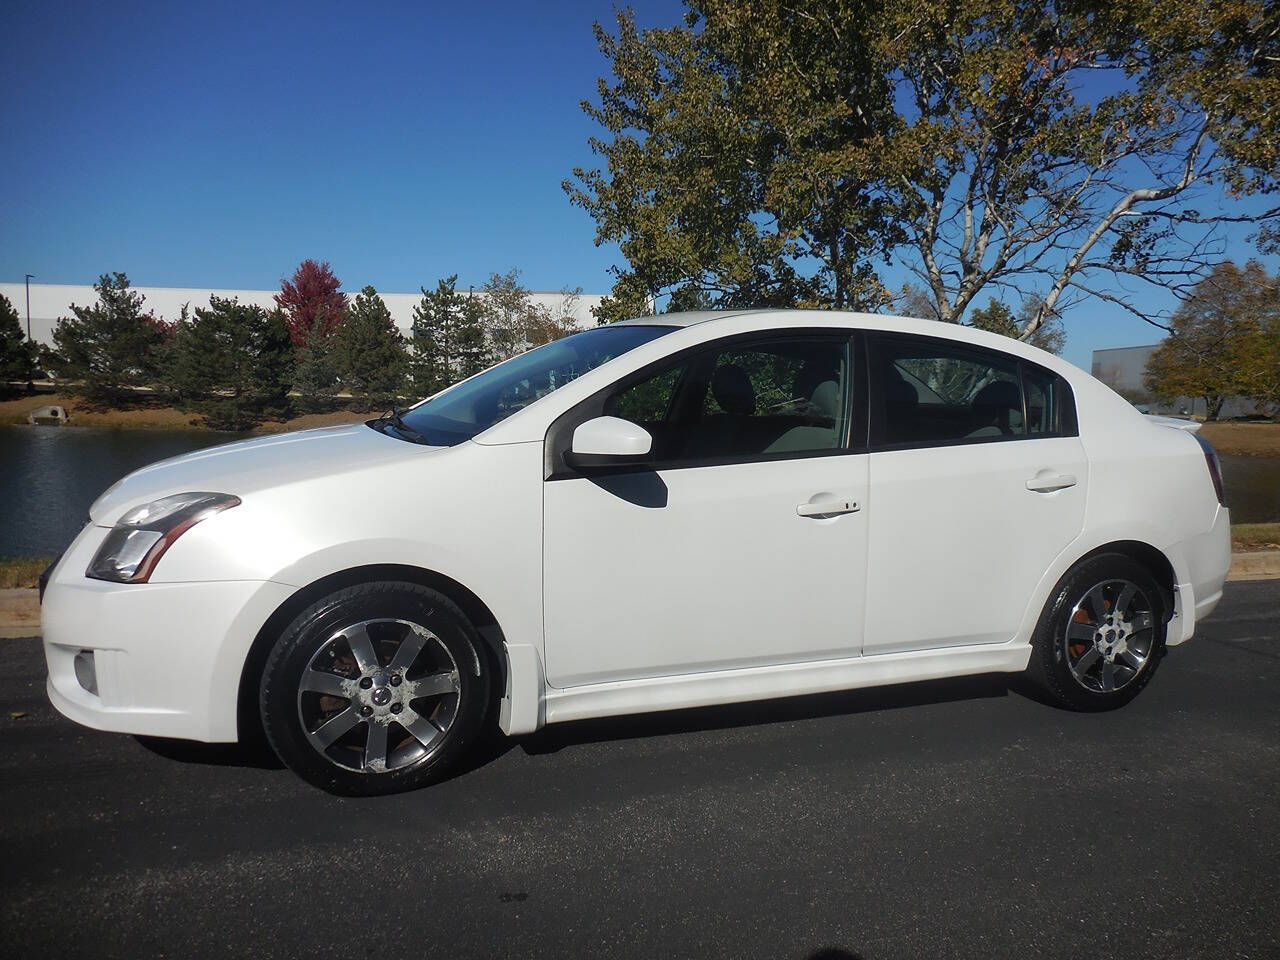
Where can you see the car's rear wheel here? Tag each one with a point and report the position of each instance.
(376, 688)
(1101, 635)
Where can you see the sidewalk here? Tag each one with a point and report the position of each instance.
(20, 609)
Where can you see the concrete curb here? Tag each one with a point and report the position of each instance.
(1260, 565)
(20, 608)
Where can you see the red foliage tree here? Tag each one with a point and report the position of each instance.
(312, 291)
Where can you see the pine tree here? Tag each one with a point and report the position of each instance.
(431, 338)
(369, 353)
(231, 362)
(275, 362)
(448, 341)
(470, 343)
(17, 353)
(315, 377)
(111, 345)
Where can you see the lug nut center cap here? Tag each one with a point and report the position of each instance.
(381, 696)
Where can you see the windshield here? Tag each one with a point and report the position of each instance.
(475, 405)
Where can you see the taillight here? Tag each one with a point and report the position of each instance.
(1215, 467)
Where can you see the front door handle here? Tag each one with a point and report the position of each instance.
(1049, 482)
(827, 508)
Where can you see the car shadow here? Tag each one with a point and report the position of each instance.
(252, 754)
(492, 745)
(759, 712)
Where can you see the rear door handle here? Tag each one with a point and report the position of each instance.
(1049, 482)
(827, 508)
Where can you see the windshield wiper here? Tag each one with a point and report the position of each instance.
(394, 418)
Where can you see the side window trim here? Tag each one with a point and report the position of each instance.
(1022, 386)
(560, 433)
(1064, 416)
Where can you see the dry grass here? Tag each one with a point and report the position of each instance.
(152, 414)
(21, 571)
(1244, 439)
(308, 420)
(144, 414)
(1255, 536)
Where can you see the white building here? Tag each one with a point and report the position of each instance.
(52, 301)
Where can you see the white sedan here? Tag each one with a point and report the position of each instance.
(670, 512)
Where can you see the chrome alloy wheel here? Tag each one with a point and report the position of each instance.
(379, 695)
(1109, 636)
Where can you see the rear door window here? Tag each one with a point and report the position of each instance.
(930, 393)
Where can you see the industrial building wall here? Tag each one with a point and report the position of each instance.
(1124, 369)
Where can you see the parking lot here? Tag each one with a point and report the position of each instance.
(954, 818)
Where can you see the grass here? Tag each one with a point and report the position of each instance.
(21, 571)
(1255, 536)
(1244, 439)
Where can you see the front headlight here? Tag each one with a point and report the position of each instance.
(140, 538)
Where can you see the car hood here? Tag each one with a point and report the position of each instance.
(241, 468)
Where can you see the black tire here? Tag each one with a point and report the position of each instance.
(450, 653)
(1069, 669)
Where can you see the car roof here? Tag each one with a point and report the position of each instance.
(839, 318)
(960, 333)
(685, 319)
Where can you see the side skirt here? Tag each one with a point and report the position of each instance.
(786, 680)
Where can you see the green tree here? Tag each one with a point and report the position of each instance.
(112, 345)
(547, 324)
(17, 353)
(448, 338)
(1216, 346)
(1265, 388)
(514, 323)
(508, 314)
(471, 343)
(1260, 293)
(998, 318)
(772, 153)
(369, 352)
(232, 363)
(725, 171)
(275, 365)
(316, 377)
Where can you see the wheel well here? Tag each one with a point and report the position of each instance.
(248, 721)
(1151, 558)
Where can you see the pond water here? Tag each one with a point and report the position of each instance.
(1252, 485)
(50, 475)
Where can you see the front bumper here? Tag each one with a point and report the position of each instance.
(157, 659)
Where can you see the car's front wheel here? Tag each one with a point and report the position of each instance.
(1101, 635)
(376, 688)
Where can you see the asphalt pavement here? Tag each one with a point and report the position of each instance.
(956, 818)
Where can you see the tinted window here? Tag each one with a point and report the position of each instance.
(776, 397)
(933, 393)
(1042, 402)
(474, 405)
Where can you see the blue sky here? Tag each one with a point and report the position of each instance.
(219, 144)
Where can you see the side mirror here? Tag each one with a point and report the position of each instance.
(608, 442)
